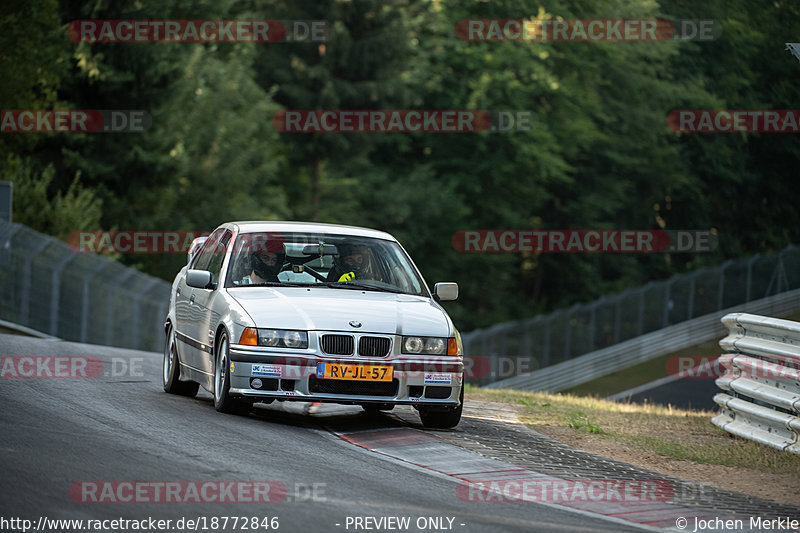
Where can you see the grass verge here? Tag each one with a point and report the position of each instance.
(669, 432)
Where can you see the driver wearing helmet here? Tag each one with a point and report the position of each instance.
(353, 262)
(267, 259)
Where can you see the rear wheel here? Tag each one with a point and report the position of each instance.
(442, 418)
(223, 401)
(171, 369)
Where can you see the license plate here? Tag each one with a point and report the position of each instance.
(354, 372)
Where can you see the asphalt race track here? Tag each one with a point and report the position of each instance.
(121, 427)
(686, 393)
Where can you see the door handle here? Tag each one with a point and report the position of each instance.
(178, 292)
(191, 300)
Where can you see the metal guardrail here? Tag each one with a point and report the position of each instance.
(762, 381)
(600, 363)
(83, 297)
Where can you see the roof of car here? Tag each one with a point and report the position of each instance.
(253, 226)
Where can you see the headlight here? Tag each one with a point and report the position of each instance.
(413, 344)
(295, 339)
(275, 338)
(269, 337)
(435, 345)
(425, 345)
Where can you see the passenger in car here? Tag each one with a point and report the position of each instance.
(267, 262)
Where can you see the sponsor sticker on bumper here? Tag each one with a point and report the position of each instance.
(273, 371)
(438, 379)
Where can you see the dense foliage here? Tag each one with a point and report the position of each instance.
(600, 154)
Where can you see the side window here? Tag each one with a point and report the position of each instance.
(218, 256)
(203, 256)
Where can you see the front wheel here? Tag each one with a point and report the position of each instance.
(223, 402)
(440, 418)
(171, 369)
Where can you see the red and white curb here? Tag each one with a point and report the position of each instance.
(435, 454)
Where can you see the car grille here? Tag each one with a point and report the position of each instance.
(356, 388)
(338, 344)
(373, 346)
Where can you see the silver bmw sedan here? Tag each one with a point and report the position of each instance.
(294, 311)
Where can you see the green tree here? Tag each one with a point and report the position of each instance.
(360, 66)
(745, 178)
(36, 206)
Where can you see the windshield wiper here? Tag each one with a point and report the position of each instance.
(361, 286)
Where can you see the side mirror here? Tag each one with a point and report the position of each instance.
(194, 247)
(445, 291)
(199, 279)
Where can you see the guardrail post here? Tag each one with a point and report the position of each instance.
(494, 361)
(484, 345)
(55, 293)
(161, 315)
(137, 304)
(119, 282)
(502, 334)
(25, 306)
(8, 274)
(567, 332)
(546, 342)
(640, 326)
(5, 245)
(721, 285)
(102, 263)
(525, 349)
(749, 281)
(780, 274)
(668, 304)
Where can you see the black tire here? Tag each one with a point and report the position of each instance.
(223, 401)
(439, 418)
(170, 369)
(373, 408)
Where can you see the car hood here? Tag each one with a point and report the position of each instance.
(333, 309)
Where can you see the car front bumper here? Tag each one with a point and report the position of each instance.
(258, 373)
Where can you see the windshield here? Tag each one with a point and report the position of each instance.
(321, 259)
